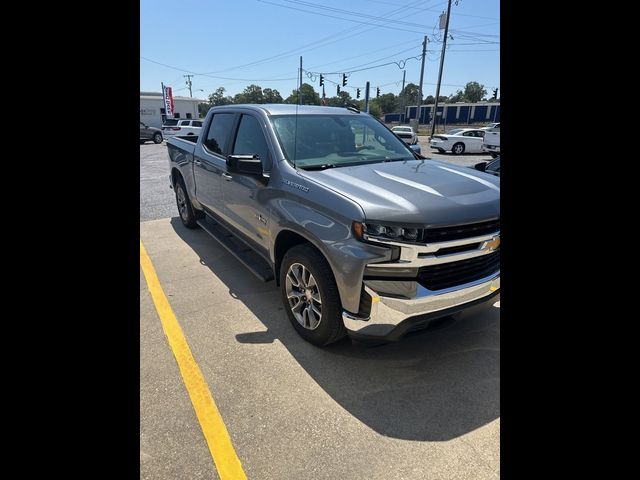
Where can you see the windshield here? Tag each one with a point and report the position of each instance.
(170, 122)
(402, 129)
(326, 141)
(454, 131)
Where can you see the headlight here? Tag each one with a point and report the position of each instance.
(366, 231)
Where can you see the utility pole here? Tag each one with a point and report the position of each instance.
(444, 46)
(189, 84)
(300, 88)
(402, 100)
(424, 54)
(366, 98)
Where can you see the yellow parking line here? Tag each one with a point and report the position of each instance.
(213, 428)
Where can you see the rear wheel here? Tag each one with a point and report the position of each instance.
(457, 148)
(185, 208)
(157, 138)
(310, 296)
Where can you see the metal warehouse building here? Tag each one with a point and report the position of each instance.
(449, 113)
(152, 108)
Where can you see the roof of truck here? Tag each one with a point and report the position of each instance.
(288, 109)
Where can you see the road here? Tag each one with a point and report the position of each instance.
(426, 407)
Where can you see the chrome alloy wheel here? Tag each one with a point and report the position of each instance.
(182, 201)
(304, 296)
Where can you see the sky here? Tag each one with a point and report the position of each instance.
(236, 43)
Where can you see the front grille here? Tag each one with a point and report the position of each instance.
(446, 275)
(457, 232)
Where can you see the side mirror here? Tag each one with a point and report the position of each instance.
(416, 148)
(482, 166)
(249, 164)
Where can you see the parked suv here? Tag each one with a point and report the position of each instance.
(177, 126)
(149, 133)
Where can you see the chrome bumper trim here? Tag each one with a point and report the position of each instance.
(388, 312)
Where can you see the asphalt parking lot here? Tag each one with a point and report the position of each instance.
(425, 407)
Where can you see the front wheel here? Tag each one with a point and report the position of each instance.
(157, 138)
(310, 296)
(458, 148)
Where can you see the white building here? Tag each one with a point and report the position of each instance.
(152, 108)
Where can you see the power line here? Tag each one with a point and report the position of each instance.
(356, 14)
(221, 78)
(351, 69)
(364, 54)
(321, 42)
(339, 18)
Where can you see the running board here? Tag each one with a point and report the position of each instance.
(236, 247)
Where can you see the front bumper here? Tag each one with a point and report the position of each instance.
(408, 305)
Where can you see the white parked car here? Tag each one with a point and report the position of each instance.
(492, 126)
(458, 140)
(406, 134)
(177, 126)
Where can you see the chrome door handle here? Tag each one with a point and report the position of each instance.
(197, 162)
(227, 177)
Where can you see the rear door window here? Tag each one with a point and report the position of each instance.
(196, 123)
(218, 133)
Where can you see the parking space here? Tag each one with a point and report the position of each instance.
(425, 407)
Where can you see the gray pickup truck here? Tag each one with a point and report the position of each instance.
(363, 236)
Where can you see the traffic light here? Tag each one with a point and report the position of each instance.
(357, 93)
(338, 87)
(344, 79)
(495, 93)
(377, 92)
(321, 80)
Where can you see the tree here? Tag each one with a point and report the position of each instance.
(457, 97)
(218, 98)
(251, 94)
(309, 96)
(340, 100)
(387, 102)
(271, 96)
(410, 94)
(203, 108)
(474, 92)
(374, 108)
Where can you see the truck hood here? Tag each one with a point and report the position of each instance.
(426, 192)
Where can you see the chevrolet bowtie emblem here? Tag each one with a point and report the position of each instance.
(492, 244)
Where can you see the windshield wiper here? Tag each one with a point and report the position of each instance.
(324, 166)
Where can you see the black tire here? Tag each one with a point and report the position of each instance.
(458, 148)
(185, 208)
(157, 137)
(494, 155)
(330, 327)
